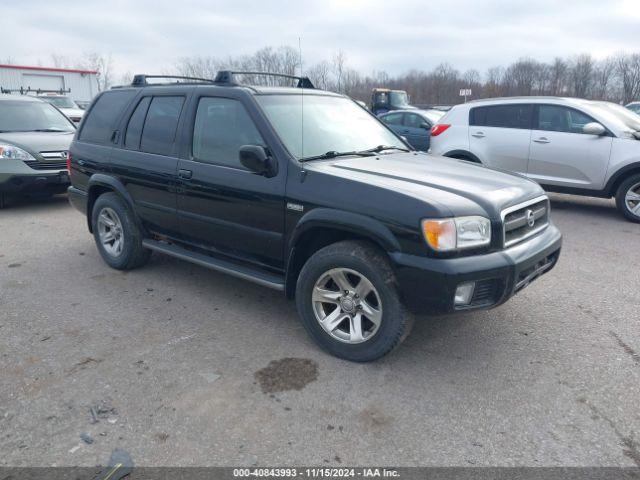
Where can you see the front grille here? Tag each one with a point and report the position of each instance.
(48, 165)
(524, 220)
(485, 293)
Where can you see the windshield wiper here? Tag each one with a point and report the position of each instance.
(48, 130)
(334, 154)
(360, 153)
(381, 148)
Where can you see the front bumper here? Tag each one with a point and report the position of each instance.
(428, 285)
(39, 182)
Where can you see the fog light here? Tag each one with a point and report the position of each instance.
(464, 293)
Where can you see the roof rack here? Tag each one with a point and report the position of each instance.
(38, 91)
(227, 77)
(141, 80)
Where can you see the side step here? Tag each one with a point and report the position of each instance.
(265, 279)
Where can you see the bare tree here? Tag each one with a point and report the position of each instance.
(339, 64)
(581, 75)
(628, 68)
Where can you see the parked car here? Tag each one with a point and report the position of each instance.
(414, 125)
(65, 105)
(34, 140)
(567, 145)
(359, 228)
(634, 107)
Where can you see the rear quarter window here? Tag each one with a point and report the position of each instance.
(103, 116)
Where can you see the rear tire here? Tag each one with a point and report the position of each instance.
(359, 315)
(116, 233)
(628, 198)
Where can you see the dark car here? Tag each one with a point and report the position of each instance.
(335, 211)
(34, 139)
(414, 125)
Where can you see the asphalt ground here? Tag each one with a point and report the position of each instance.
(179, 365)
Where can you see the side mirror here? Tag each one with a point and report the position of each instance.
(593, 128)
(425, 125)
(256, 160)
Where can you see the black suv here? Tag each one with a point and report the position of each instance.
(306, 192)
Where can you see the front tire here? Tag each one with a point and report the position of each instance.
(116, 233)
(628, 198)
(347, 299)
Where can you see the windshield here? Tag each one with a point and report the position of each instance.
(433, 115)
(621, 116)
(330, 124)
(634, 107)
(60, 102)
(398, 99)
(23, 116)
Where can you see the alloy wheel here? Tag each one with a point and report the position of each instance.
(110, 232)
(347, 305)
(632, 199)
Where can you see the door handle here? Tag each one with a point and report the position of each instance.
(186, 174)
(478, 135)
(542, 140)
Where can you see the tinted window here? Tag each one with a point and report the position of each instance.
(393, 119)
(102, 118)
(222, 126)
(160, 125)
(505, 116)
(555, 118)
(414, 121)
(134, 128)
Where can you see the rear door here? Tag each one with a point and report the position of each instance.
(395, 121)
(416, 132)
(562, 155)
(147, 162)
(221, 205)
(500, 135)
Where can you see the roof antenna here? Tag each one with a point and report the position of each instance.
(303, 173)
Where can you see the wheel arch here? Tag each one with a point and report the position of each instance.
(620, 176)
(321, 227)
(100, 184)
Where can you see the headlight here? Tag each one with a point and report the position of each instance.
(444, 235)
(13, 152)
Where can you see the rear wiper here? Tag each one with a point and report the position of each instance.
(334, 154)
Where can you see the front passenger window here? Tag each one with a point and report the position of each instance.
(222, 126)
(555, 118)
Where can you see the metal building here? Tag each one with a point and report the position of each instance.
(82, 84)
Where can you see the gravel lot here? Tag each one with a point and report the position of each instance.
(175, 361)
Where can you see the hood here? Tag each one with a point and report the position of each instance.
(457, 186)
(36, 142)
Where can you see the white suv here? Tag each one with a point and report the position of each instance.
(567, 145)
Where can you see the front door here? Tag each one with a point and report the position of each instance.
(562, 155)
(418, 131)
(221, 205)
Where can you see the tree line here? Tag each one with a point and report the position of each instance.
(615, 78)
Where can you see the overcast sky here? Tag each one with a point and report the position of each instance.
(149, 36)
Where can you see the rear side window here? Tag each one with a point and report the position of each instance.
(160, 125)
(504, 116)
(222, 126)
(103, 116)
(134, 128)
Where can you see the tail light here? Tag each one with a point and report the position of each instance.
(438, 128)
(69, 161)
